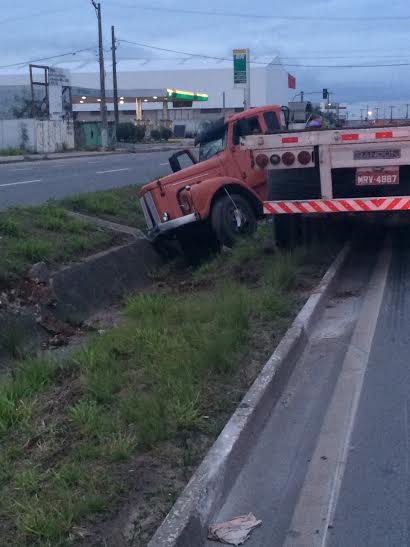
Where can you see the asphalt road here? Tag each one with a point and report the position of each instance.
(331, 465)
(31, 183)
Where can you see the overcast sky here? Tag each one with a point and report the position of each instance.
(325, 36)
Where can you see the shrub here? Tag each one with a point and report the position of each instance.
(165, 133)
(128, 132)
(155, 135)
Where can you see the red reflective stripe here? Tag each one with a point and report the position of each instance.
(269, 207)
(289, 140)
(346, 205)
(393, 204)
(378, 201)
(301, 207)
(406, 205)
(384, 134)
(316, 206)
(362, 204)
(350, 137)
(284, 207)
(331, 206)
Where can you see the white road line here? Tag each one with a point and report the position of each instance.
(164, 163)
(113, 171)
(22, 169)
(317, 502)
(22, 182)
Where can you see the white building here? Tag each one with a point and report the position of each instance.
(270, 84)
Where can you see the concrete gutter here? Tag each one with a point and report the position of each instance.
(83, 288)
(187, 523)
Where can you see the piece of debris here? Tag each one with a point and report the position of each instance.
(39, 273)
(235, 531)
(55, 327)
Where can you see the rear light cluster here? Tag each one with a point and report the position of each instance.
(287, 158)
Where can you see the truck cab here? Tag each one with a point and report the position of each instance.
(220, 189)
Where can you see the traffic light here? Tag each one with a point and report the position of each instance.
(325, 94)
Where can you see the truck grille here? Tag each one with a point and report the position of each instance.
(150, 211)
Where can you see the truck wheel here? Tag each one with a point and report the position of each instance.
(232, 217)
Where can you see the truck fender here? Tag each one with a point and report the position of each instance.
(204, 195)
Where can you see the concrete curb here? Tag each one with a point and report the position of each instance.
(104, 278)
(81, 289)
(113, 226)
(187, 522)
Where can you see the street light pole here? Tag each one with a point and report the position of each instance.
(103, 104)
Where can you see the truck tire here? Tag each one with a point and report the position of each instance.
(232, 217)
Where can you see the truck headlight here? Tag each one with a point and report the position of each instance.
(165, 217)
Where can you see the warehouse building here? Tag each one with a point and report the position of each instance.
(184, 93)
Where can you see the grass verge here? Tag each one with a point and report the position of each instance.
(133, 411)
(117, 205)
(45, 233)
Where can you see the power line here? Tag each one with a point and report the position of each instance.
(265, 15)
(300, 65)
(70, 53)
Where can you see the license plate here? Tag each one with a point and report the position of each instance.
(377, 177)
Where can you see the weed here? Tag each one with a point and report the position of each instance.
(28, 480)
(87, 415)
(16, 394)
(10, 227)
(34, 250)
(120, 445)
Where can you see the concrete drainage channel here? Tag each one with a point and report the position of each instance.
(83, 288)
(187, 523)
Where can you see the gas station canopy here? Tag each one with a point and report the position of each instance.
(83, 96)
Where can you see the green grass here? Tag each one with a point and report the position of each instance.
(45, 233)
(10, 151)
(157, 377)
(118, 205)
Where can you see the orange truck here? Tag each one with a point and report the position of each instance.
(221, 192)
(310, 172)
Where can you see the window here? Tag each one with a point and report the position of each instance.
(271, 121)
(215, 144)
(246, 126)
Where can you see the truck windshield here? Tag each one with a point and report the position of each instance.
(212, 147)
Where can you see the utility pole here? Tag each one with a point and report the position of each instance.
(114, 78)
(377, 113)
(103, 104)
(223, 103)
(302, 96)
(407, 111)
(391, 112)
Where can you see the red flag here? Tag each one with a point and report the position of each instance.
(291, 81)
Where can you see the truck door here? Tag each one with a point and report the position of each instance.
(254, 178)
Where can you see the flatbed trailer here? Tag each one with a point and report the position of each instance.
(334, 170)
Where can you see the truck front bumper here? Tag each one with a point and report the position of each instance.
(155, 224)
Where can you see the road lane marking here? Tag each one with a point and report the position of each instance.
(21, 182)
(318, 498)
(22, 169)
(113, 170)
(164, 163)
